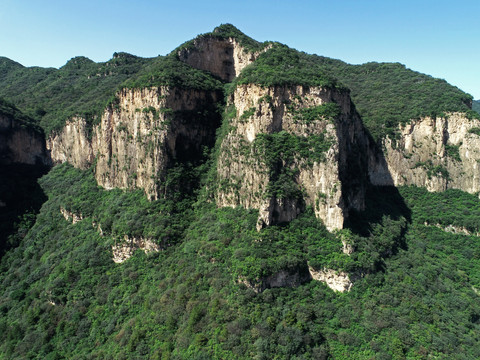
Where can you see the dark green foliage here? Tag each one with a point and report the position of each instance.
(81, 87)
(434, 170)
(84, 88)
(12, 112)
(281, 152)
(63, 297)
(169, 71)
(329, 111)
(453, 151)
(248, 113)
(452, 207)
(474, 130)
(226, 31)
(281, 66)
(121, 213)
(21, 198)
(388, 94)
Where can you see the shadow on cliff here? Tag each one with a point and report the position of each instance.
(382, 199)
(20, 200)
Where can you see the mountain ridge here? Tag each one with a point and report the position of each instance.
(216, 203)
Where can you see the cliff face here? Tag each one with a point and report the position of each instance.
(437, 154)
(72, 144)
(224, 58)
(289, 147)
(20, 144)
(139, 136)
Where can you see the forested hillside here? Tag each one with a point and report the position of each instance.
(101, 272)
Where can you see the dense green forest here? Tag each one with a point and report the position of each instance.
(61, 291)
(416, 264)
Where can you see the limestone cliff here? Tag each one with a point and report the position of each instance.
(291, 146)
(223, 57)
(72, 144)
(20, 144)
(139, 136)
(435, 153)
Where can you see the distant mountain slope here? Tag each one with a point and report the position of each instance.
(385, 93)
(388, 93)
(81, 86)
(476, 106)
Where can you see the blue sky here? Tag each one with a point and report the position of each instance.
(436, 37)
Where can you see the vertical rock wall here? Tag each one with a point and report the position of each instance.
(332, 182)
(435, 153)
(139, 135)
(20, 144)
(224, 58)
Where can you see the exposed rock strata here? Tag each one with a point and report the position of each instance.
(331, 186)
(335, 280)
(125, 250)
(72, 144)
(224, 58)
(435, 153)
(139, 136)
(454, 229)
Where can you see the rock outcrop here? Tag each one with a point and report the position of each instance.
(124, 250)
(72, 144)
(139, 136)
(310, 140)
(435, 153)
(335, 280)
(21, 144)
(223, 57)
(70, 216)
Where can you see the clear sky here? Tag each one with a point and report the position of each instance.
(436, 37)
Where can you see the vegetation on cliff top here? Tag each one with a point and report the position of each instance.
(223, 32)
(280, 66)
(389, 94)
(10, 111)
(83, 87)
(169, 71)
(385, 94)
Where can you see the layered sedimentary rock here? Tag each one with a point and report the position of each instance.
(307, 139)
(435, 153)
(139, 136)
(72, 144)
(21, 144)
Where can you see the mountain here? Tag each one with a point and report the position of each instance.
(236, 200)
